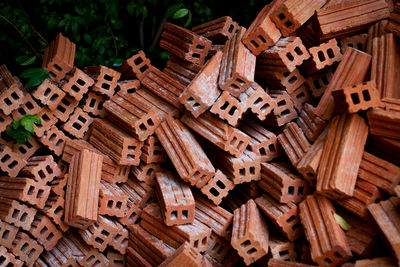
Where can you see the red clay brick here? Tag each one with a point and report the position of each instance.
(59, 57)
(11, 94)
(8, 233)
(8, 259)
(326, 54)
(112, 200)
(282, 183)
(48, 120)
(45, 232)
(310, 123)
(184, 43)
(121, 147)
(185, 255)
(54, 139)
(181, 70)
(27, 107)
(76, 83)
(218, 30)
(10, 162)
(41, 168)
(4, 121)
(217, 187)
(16, 213)
(394, 20)
(48, 94)
(385, 121)
(152, 151)
(146, 172)
(129, 86)
(281, 248)
(94, 105)
(54, 209)
(319, 81)
(175, 198)
(376, 30)
(105, 79)
(356, 41)
(137, 66)
(228, 108)
(82, 194)
(65, 108)
(78, 123)
(284, 112)
(258, 101)
(26, 248)
(218, 247)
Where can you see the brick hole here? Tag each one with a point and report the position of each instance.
(57, 67)
(196, 105)
(317, 85)
(47, 92)
(262, 151)
(23, 216)
(52, 74)
(220, 184)
(150, 122)
(327, 260)
(258, 101)
(14, 95)
(199, 46)
(2, 259)
(310, 174)
(117, 237)
(41, 174)
(366, 95)
(285, 113)
(196, 244)
(355, 98)
(291, 219)
(142, 127)
(82, 119)
(324, 79)
(261, 38)
(12, 164)
(31, 253)
(96, 263)
(240, 81)
(50, 237)
(225, 105)
(288, 23)
(30, 190)
(254, 43)
(108, 77)
(100, 105)
(92, 102)
(44, 230)
(251, 251)
(300, 190)
(2, 119)
(22, 111)
(124, 243)
(5, 235)
(298, 51)
(49, 169)
(214, 192)
(77, 126)
(281, 103)
(233, 110)
(138, 60)
(58, 210)
(283, 253)
(359, 46)
(105, 86)
(59, 142)
(28, 144)
(61, 109)
(350, 45)
(294, 227)
(22, 150)
(15, 214)
(321, 56)
(231, 27)
(252, 170)
(330, 53)
(130, 90)
(196, 174)
(54, 97)
(291, 190)
(233, 141)
(105, 233)
(7, 101)
(271, 148)
(99, 240)
(39, 193)
(337, 255)
(301, 95)
(118, 205)
(242, 172)
(143, 68)
(281, 16)
(52, 137)
(292, 80)
(24, 247)
(196, 55)
(240, 145)
(264, 107)
(174, 215)
(235, 87)
(75, 88)
(5, 158)
(80, 82)
(90, 258)
(110, 204)
(149, 172)
(185, 214)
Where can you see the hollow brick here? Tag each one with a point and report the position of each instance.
(228, 108)
(218, 247)
(356, 41)
(54, 139)
(11, 94)
(116, 259)
(284, 111)
(105, 79)
(54, 209)
(185, 255)
(112, 200)
(258, 101)
(146, 172)
(327, 240)
(326, 54)
(184, 43)
(26, 248)
(175, 198)
(344, 146)
(27, 107)
(310, 123)
(82, 194)
(8, 259)
(203, 90)
(10, 162)
(47, 120)
(282, 183)
(152, 151)
(129, 86)
(319, 81)
(78, 123)
(48, 94)
(45, 232)
(376, 30)
(8, 233)
(116, 143)
(41, 168)
(16, 213)
(4, 121)
(218, 30)
(281, 248)
(217, 187)
(189, 159)
(65, 108)
(283, 216)
(76, 83)
(137, 66)
(385, 121)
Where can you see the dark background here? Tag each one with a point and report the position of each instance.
(106, 32)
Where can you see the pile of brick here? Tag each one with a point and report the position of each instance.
(243, 150)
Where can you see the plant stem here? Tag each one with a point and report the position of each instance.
(158, 34)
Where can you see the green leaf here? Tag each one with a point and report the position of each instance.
(33, 118)
(189, 20)
(29, 61)
(118, 62)
(32, 72)
(180, 13)
(172, 9)
(87, 38)
(342, 222)
(79, 10)
(15, 124)
(27, 124)
(131, 7)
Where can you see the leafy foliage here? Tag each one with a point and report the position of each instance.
(21, 130)
(35, 75)
(106, 32)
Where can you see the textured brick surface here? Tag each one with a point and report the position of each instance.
(136, 66)
(217, 187)
(48, 94)
(185, 255)
(217, 30)
(41, 168)
(112, 200)
(105, 79)
(78, 123)
(76, 83)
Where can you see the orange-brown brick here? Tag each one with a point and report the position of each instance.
(326, 54)
(218, 30)
(105, 79)
(41, 168)
(48, 94)
(65, 108)
(10, 162)
(16, 213)
(78, 123)
(217, 187)
(76, 83)
(47, 120)
(94, 104)
(27, 107)
(112, 200)
(54, 139)
(26, 248)
(45, 232)
(136, 66)
(152, 151)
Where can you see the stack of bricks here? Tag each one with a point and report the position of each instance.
(290, 127)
